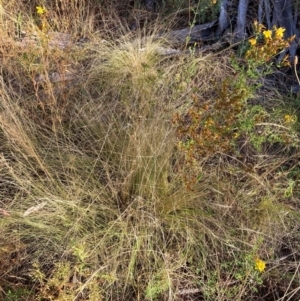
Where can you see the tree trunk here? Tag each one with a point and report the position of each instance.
(223, 18)
(283, 17)
(264, 10)
(240, 32)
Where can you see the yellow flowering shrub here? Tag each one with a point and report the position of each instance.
(210, 128)
(214, 127)
(266, 43)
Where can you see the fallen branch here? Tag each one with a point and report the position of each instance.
(203, 32)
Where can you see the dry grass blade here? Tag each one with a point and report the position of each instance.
(104, 196)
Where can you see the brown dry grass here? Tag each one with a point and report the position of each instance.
(93, 201)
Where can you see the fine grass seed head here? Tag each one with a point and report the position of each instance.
(130, 66)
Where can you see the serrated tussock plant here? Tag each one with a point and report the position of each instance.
(94, 202)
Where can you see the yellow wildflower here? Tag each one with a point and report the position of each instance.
(289, 119)
(279, 32)
(40, 10)
(260, 265)
(267, 34)
(252, 42)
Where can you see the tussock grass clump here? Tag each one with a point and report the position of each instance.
(94, 203)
